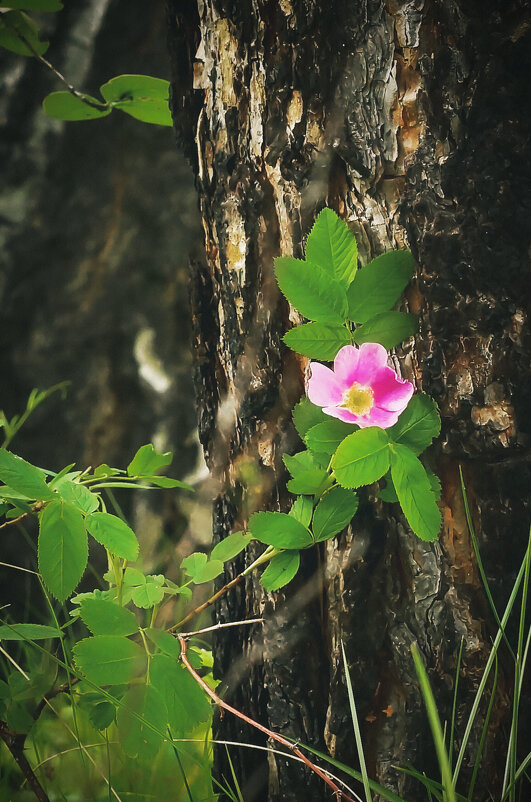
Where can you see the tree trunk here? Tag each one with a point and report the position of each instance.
(409, 119)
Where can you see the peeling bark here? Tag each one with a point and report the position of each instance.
(409, 119)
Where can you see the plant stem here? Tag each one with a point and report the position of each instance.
(15, 744)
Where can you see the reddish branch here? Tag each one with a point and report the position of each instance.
(338, 793)
(15, 744)
(208, 603)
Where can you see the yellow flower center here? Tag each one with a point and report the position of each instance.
(358, 400)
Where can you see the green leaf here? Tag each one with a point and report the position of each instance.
(302, 509)
(33, 5)
(230, 546)
(63, 549)
(28, 632)
(307, 482)
(104, 617)
(142, 711)
(326, 437)
(317, 340)
(194, 563)
(210, 571)
(102, 715)
(143, 97)
(332, 246)
(78, 495)
(114, 534)
(281, 570)
(68, 107)
(300, 462)
(104, 471)
(150, 592)
(389, 329)
(165, 642)
(167, 481)
(378, 286)
(186, 703)
(418, 424)
(147, 461)
(435, 484)
(23, 477)
(334, 512)
(109, 659)
(279, 530)
(388, 493)
(362, 458)
(311, 290)
(305, 415)
(414, 493)
(28, 30)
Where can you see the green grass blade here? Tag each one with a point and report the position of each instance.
(484, 731)
(356, 725)
(486, 672)
(234, 778)
(436, 729)
(454, 702)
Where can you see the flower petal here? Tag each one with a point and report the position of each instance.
(323, 387)
(342, 414)
(372, 358)
(391, 392)
(345, 364)
(379, 417)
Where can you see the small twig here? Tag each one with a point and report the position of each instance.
(338, 793)
(58, 75)
(208, 603)
(64, 688)
(222, 626)
(15, 744)
(36, 507)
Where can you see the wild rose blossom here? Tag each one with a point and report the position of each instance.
(361, 388)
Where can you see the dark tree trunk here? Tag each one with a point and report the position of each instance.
(410, 120)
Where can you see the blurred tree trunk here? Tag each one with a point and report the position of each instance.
(410, 120)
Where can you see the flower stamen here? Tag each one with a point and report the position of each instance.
(358, 399)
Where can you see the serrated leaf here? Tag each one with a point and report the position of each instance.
(165, 642)
(362, 458)
(102, 715)
(305, 415)
(23, 477)
(230, 546)
(114, 534)
(109, 659)
(302, 509)
(70, 108)
(307, 483)
(378, 286)
(210, 571)
(389, 329)
(418, 424)
(28, 30)
(435, 484)
(388, 493)
(333, 247)
(28, 632)
(62, 549)
(279, 530)
(311, 290)
(104, 617)
(194, 563)
(334, 512)
(150, 593)
(414, 493)
(300, 462)
(317, 340)
(186, 703)
(281, 570)
(326, 437)
(77, 494)
(147, 461)
(141, 96)
(141, 720)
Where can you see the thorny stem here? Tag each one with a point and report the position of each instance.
(80, 96)
(222, 626)
(15, 744)
(338, 793)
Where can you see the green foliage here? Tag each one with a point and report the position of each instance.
(302, 509)
(362, 458)
(312, 290)
(33, 5)
(389, 329)
(306, 415)
(77, 495)
(147, 461)
(71, 108)
(279, 530)
(334, 512)
(63, 549)
(185, 702)
(114, 534)
(23, 477)
(414, 493)
(230, 547)
(104, 617)
(141, 96)
(20, 34)
(417, 425)
(109, 659)
(26, 632)
(326, 437)
(281, 570)
(317, 340)
(377, 287)
(332, 246)
(141, 720)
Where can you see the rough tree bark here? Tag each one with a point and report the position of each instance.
(409, 119)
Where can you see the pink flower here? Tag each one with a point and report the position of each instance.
(361, 388)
